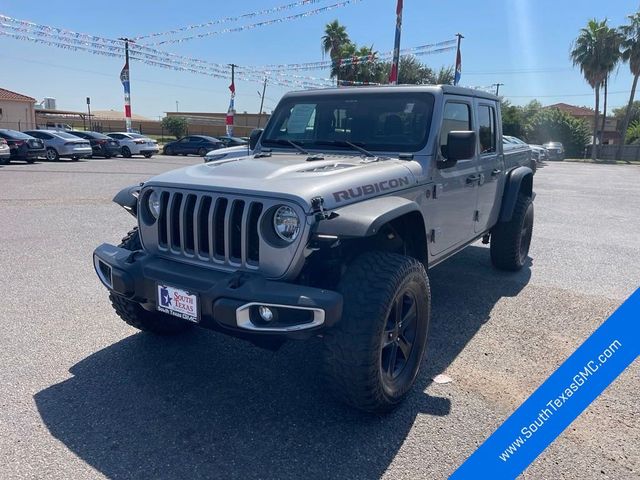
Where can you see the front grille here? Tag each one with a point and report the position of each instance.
(223, 231)
(210, 228)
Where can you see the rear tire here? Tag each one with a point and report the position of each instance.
(168, 151)
(373, 355)
(148, 155)
(136, 316)
(31, 160)
(202, 152)
(510, 240)
(126, 153)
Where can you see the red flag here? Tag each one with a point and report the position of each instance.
(232, 87)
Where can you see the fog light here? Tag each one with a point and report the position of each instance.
(266, 313)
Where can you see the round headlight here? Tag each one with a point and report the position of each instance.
(154, 204)
(286, 223)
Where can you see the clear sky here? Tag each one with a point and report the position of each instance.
(524, 44)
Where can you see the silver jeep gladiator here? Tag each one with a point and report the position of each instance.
(328, 229)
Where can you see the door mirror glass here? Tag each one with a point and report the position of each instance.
(254, 137)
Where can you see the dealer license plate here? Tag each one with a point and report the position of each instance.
(178, 303)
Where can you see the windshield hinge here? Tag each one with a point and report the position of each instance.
(317, 206)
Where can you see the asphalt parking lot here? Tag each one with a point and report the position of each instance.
(85, 396)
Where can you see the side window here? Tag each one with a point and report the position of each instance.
(457, 116)
(116, 136)
(487, 129)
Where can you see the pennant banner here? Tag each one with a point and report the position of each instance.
(260, 24)
(230, 19)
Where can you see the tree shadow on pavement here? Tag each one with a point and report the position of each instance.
(206, 406)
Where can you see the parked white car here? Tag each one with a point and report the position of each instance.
(135, 144)
(5, 151)
(227, 153)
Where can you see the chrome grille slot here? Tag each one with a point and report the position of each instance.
(208, 228)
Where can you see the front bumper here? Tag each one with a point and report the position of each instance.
(226, 300)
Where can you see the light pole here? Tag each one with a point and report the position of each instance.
(177, 103)
(264, 88)
(498, 85)
(89, 111)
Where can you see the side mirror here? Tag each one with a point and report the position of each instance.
(461, 145)
(256, 133)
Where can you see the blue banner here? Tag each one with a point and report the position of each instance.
(560, 399)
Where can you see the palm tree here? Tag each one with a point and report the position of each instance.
(630, 53)
(611, 40)
(589, 54)
(334, 40)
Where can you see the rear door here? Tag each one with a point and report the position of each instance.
(455, 187)
(490, 165)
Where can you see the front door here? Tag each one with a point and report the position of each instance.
(490, 165)
(451, 219)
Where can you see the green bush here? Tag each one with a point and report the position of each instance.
(176, 126)
(633, 133)
(552, 125)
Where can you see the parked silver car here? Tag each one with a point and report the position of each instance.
(62, 144)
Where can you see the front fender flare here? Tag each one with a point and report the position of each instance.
(365, 219)
(519, 179)
(127, 198)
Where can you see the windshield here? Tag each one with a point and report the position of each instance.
(395, 122)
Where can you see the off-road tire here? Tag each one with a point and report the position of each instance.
(136, 316)
(510, 240)
(126, 152)
(354, 349)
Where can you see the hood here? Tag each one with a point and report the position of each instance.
(339, 179)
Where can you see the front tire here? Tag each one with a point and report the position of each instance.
(136, 316)
(202, 152)
(148, 155)
(52, 155)
(510, 241)
(373, 355)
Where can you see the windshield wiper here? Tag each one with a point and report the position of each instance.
(285, 141)
(344, 143)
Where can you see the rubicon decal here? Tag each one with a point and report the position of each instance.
(370, 188)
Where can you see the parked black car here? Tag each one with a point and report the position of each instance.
(196, 144)
(23, 146)
(232, 141)
(101, 145)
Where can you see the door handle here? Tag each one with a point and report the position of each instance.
(495, 172)
(472, 179)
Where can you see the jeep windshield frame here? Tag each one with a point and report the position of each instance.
(393, 122)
